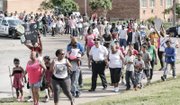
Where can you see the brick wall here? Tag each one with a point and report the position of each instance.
(23, 5)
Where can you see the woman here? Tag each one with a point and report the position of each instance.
(35, 73)
(116, 63)
(60, 78)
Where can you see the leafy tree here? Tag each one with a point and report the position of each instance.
(65, 6)
(103, 5)
(168, 10)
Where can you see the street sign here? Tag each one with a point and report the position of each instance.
(31, 32)
(158, 23)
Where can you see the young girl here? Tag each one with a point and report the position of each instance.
(48, 75)
(18, 74)
(74, 54)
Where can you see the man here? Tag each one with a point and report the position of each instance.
(123, 37)
(98, 57)
(170, 58)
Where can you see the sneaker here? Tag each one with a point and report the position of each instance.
(116, 89)
(21, 98)
(174, 77)
(91, 90)
(30, 100)
(47, 100)
(162, 78)
(105, 87)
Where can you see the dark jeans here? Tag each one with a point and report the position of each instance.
(129, 40)
(146, 72)
(98, 68)
(45, 29)
(80, 81)
(65, 84)
(115, 75)
(161, 58)
(122, 43)
(130, 76)
(53, 31)
(152, 69)
(173, 67)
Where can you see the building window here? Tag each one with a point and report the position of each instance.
(152, 11)
(143, 3)
(169, 3)
(144, 11)
(152, 3)
(162, 3)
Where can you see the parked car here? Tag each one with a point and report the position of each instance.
(8, 27)
(174, 31)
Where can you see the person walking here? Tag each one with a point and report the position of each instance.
(116, 61)
(60, 67)
(170, 58)
(35, 73)
(98, 58)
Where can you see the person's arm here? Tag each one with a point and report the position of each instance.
(40, 44)
(69, 66)
(81, 48)
(52, 66)
(29, 46)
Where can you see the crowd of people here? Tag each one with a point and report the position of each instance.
(130, 51)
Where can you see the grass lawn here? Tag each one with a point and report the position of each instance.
(159, 93)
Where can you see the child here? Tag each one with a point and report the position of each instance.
(74, 54)
(48, 75)
(147, 59)
(139, 66)
(18, 74)
(129, 60)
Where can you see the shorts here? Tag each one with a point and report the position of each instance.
(36, 85)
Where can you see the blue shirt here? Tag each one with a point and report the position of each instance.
(79, 46)
(170, 55)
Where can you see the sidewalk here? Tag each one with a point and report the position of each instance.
(99, 93)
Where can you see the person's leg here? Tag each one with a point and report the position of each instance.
(132, 78)
(117, 74)
(173, 67)
(34, 94)
(128, 86)
(66, 86)
(80, 81)
(36, 90)
(22, 97)
(94, 76)
(72, 83)
(160, 55)
(102, 75)
(76, 83)
(112, 76)
(56, 89)
(17, 93)
(152, 69)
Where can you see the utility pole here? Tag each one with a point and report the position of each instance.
(85, 7)
(174, 12)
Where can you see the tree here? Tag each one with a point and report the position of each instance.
(103, 5)
(168, 10)
(65, 6)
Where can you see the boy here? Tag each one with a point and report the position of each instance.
(139, 66)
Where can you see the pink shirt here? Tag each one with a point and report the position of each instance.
(90, 40)
(34, 72)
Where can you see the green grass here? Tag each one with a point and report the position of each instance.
(159, 93)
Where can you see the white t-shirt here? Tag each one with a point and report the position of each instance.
(98, 54)
(123, 34)
(129, 67)
(96, 32)
(60, 68)
(115, 60)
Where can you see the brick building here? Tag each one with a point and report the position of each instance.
(20, 5)
(122, 9)
(137, 9)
